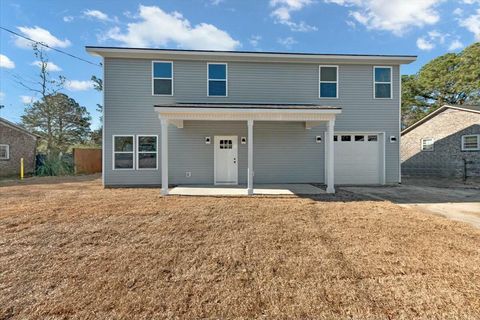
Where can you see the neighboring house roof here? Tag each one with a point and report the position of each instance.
(126, 52)
(17, 127)
(466, 108)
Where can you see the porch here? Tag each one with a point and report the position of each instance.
(226, 146)
(241, 190)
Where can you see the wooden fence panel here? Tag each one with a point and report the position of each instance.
(87, 160)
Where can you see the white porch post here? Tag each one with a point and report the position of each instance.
(164, 132)
(330, 157)
(250, 157)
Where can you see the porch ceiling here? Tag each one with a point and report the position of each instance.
(236, 111)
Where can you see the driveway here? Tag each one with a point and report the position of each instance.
(456, 203)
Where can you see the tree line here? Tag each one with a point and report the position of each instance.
(453, 78)
(58, 119)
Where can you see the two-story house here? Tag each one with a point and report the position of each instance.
(218, 117)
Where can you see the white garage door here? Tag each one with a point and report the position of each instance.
(357, 158)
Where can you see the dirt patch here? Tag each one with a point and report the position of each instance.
(75, 250)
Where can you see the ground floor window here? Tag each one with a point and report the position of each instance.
(147, 152)
(4, 152)
(123, 147)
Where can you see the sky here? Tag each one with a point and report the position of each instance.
(427, 28)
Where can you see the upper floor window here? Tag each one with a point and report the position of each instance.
(471, 142)
(382, 78)
(217, 80)
(328, 81)
(427, 144)
(4, 152)
(162, 78)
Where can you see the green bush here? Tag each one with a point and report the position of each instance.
(54, 165)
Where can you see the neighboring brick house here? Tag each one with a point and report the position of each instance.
(16, 143)
(446, 143)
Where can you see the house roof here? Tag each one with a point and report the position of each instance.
(152, 53)
(17, 127)
(465, 108)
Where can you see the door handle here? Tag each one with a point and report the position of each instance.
(234, 160)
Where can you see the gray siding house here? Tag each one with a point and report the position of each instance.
(217, 117)
(446, 143)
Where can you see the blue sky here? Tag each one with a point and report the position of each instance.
(427, 28)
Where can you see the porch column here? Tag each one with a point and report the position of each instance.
(330, 156)
(250, 157)
(164, 133)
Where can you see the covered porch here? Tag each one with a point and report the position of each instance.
(241, 190)
(310, 115)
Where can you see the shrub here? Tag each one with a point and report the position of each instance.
(54, 165)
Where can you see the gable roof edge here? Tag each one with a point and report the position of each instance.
(18, 128)
(435, 113)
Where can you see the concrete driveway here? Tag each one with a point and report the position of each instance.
(461, 204)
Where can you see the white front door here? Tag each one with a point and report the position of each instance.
(226, 160)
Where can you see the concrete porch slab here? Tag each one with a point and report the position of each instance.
(259, 189)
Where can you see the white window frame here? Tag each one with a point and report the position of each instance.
(115, 152)
(471, 149)
(320, 81)
(422, 145)
(213, 79)
(138, 151)
(161, 78)
(7, 148)
(382, 82)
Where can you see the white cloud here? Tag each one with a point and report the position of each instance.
(396, 16)
(216, 2)
(27, 99)
(5, 62)
(79, 85)
(455, 45)
(287, 42)
(282, 13)
(156, 27)
(2, 96)
(458, 11)
(254, 40)
(424, 44)
(68, 19)
(472, 24)
(41, 35)
(51, 67)
(431, 40)
(96, 14)
(471, 1)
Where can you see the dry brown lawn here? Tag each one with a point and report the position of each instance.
(71, 249)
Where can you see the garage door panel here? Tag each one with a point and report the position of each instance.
(357, 162)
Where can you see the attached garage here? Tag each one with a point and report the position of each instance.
(359, 158)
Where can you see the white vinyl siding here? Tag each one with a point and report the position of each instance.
(427, 144)
(471, 142)
(4, 152)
